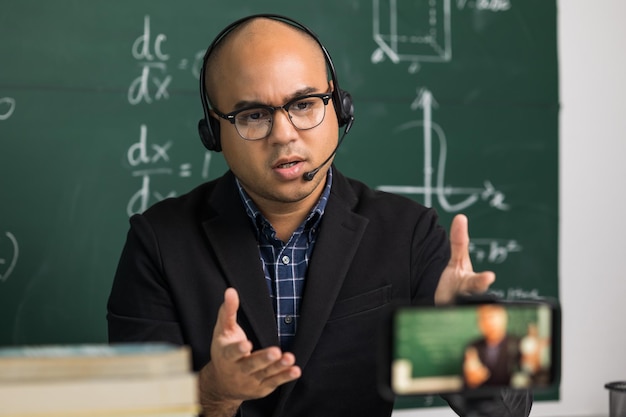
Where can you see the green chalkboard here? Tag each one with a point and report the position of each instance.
(456, 106)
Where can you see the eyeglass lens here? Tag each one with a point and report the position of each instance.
(256, 123)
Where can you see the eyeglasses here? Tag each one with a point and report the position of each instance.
(255, 122)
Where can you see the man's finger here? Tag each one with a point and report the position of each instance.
(478, 283)
(281, 364)
(279, 372)
(237, 351)
(288, 375)
(260, 359)
(459, 239)
(227, 314)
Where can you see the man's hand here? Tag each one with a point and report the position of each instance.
(474, 371)
(236, 373)
(459, 277)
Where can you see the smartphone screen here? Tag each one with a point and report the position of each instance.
(473, 347)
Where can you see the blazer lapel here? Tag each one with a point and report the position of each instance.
(232, 238)
(340, 234)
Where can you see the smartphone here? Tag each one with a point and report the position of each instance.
(471, 348)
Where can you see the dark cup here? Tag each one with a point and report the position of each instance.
(617, 398)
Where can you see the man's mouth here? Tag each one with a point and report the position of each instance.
(287, 165)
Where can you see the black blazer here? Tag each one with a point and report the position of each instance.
(373, 248)
(506, 363)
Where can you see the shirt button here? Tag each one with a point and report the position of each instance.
(288, 319)
(285, 259)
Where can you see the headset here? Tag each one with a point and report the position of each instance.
(209, 127)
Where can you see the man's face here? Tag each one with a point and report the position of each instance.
(492, 321)
(269, 63)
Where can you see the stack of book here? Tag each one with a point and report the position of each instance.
(124, 380)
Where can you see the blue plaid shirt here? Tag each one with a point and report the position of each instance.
(285, 264)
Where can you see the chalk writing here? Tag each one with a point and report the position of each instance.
(408, 40)
(7, 265)
(522, 294)
(486, 5)
(149, 160)
(516, 293)
(429, 40)
(7, 107)
(152, 59)
(494, 251)
(154, 81)
(437, 187)
(198, 61)
(424, 38)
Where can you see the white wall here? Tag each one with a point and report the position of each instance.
(592, 262)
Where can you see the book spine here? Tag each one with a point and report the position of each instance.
(99, 396)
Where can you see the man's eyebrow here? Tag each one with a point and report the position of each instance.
(243, 104)
(302, 92)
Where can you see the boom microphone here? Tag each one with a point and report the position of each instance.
(309, 175)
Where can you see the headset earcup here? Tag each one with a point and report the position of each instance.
(345, 110)
(209, 134)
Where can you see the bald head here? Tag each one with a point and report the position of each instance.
(254, 43)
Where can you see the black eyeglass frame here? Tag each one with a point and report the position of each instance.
(231, 117)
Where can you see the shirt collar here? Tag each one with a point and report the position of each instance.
(311, 221)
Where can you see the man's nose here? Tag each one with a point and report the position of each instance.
(282, 128)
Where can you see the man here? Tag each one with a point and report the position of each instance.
(495, 358)
(277, 273)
